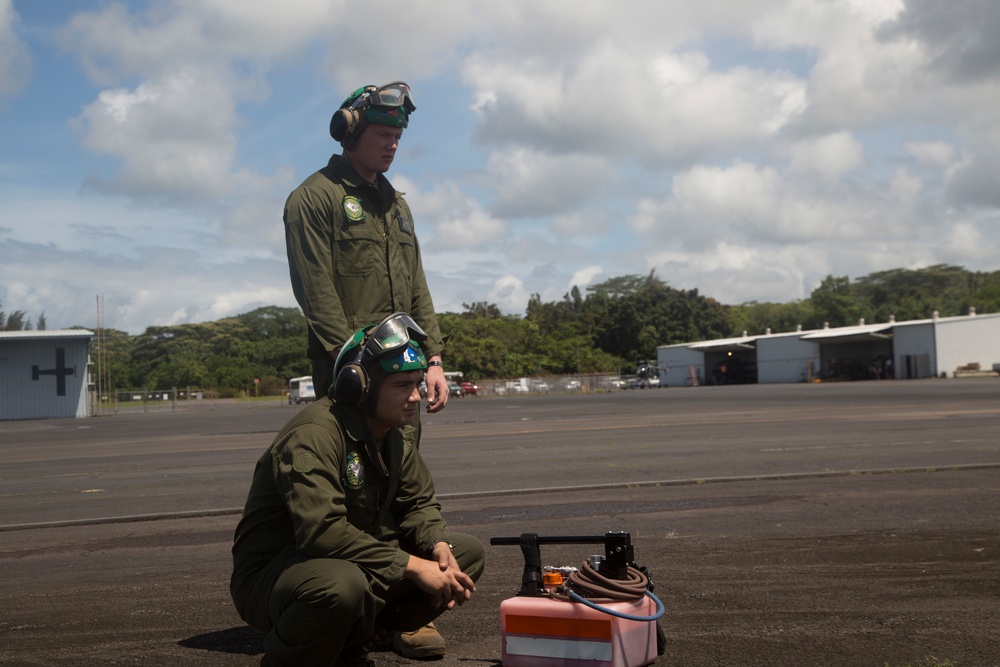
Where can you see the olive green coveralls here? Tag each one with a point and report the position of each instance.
(354, 259)
(329, 523)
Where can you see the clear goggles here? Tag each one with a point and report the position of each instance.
(392, 334)
(395, 94)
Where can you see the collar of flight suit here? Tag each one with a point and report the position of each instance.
(355, 425)
(341, 170)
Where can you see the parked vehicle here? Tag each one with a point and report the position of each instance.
(570, 385)
(613, 383)
(470, 388)
(643, 383)
(422, 388)
(519, 386)
(300, 390)
(647, 375)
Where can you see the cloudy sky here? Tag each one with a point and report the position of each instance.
(744, 148)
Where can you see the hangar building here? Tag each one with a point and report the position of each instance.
(44, 374)
(939, 346)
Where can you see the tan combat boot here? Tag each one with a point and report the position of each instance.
(426, 642)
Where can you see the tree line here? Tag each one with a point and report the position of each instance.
(607, 329)
(18, 320)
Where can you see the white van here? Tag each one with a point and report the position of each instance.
(301, 389)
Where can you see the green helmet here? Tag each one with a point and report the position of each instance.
(379, 115)
(390, 105)
(392, 346)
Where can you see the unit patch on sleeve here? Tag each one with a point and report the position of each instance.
(304, 462)
(353, 210)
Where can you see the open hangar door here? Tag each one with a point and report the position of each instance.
(856, 353)
(731, 366)
(729, 361)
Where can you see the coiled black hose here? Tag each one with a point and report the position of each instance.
(589, 587)
(591, 584)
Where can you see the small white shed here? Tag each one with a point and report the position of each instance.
(44, 374)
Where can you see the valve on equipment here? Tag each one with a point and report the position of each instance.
(618, 556)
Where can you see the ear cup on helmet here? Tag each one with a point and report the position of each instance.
(343, 123)
(352, 385)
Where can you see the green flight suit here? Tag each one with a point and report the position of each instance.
(354, 259)
(328, 526)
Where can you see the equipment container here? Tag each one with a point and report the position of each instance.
(546, 632)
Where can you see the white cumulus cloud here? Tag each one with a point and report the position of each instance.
(15, 57)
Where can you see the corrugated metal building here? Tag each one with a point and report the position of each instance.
(786, 357)
(44, 374)
(939, 346)
(861, 352)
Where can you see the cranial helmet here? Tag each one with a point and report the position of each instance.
(391, 346)
(390, 105)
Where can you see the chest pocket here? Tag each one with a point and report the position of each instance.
(403, 248)
(356, 249)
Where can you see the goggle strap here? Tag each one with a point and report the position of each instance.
(372, 96)
(362, 99)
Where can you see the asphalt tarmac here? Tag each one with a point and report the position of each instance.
(808, 524)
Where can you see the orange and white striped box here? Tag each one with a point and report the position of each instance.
(542, 632)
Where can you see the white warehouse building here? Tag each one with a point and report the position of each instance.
(44, 374)
(936, 347)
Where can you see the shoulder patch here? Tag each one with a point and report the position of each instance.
(353, 210)
(304, 462)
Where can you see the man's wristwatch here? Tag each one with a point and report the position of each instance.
(435, 362)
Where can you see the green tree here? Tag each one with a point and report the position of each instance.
(273, 322)
(14, 321)
(117, 354)
(757, 318)
(227, 354)
(916, 294)
(630, 316)
(986, 299)
(491, 346)
(482, 309)
(836, 304)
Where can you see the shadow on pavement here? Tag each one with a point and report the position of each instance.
(242, 639)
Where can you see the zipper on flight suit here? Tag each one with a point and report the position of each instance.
(373, 451)
(385, 243)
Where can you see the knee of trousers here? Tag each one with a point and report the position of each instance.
(469, 553)
(327, 586)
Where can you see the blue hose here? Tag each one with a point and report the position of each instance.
(659, 607)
